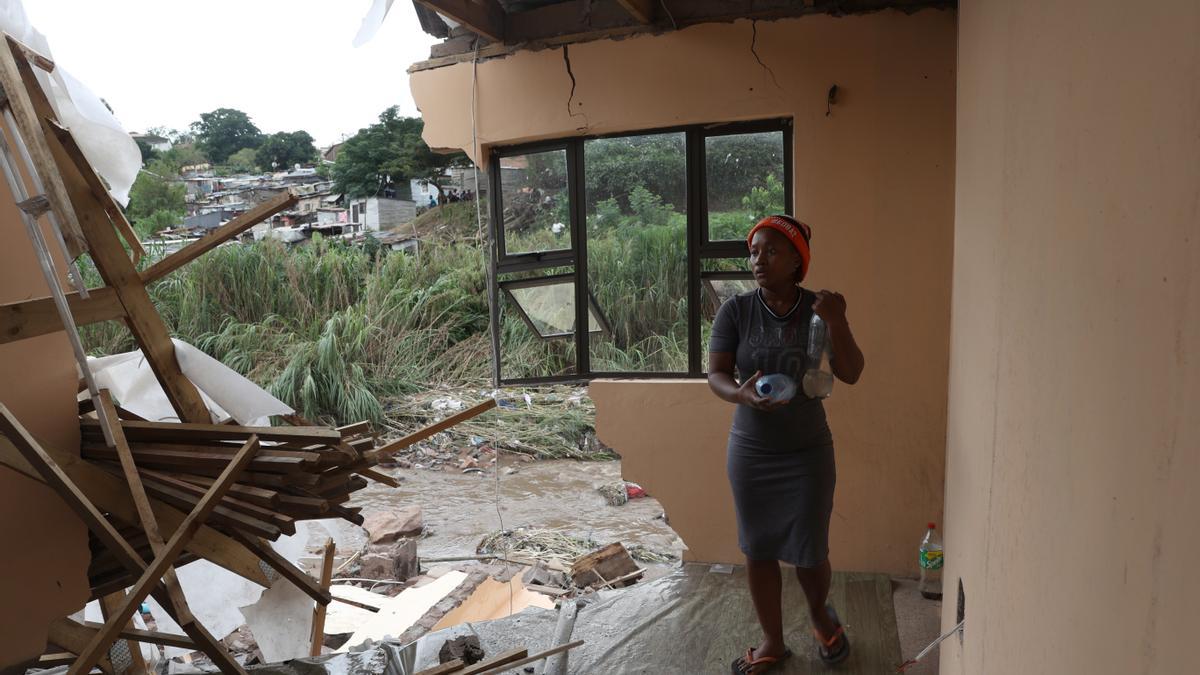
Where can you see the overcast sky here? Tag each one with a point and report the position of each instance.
(289, 64)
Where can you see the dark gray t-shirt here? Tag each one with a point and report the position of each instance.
(763, 341)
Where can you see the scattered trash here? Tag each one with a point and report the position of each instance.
(620, 492)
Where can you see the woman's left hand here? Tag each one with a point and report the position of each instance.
(830, 306)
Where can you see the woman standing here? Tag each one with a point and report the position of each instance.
(780, 454)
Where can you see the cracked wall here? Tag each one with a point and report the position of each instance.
(875, 180)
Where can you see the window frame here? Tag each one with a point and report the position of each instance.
(507, 288)
(699, 247)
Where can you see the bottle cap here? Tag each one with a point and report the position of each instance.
(933, 526)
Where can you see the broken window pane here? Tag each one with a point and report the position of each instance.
(550, 308)
(535, 202)
(636, 226)
(744, 176)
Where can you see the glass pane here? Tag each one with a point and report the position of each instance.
(714, 292)
(636, 191)
(536, 205)
(526, 354)
(551, 308)
(717, 291)
(745, 182)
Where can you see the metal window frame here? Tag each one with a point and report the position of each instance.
(699, 247)
(508, 286)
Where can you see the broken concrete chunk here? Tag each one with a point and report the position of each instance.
(388, 526)
(395, 561)
(465, 648)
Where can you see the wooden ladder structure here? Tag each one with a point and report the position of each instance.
(72, 200)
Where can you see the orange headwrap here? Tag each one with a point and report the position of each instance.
(797, 232)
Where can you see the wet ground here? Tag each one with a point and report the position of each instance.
(460, 509)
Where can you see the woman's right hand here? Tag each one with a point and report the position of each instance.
(748, 395)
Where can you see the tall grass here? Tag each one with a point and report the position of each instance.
(338, 331)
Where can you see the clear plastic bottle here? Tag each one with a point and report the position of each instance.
(776, 386)
(931, 559)
(818, 378)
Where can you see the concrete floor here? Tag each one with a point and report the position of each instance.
(918, 621)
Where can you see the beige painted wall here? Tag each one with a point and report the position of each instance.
(43, 567)
(1074, 388)
(875, 179)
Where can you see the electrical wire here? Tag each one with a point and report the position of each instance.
(491, 296)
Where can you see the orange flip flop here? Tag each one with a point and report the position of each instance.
(748, 665)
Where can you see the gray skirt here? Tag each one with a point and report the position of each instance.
(784, 499)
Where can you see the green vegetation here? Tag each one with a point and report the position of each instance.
(389, 152)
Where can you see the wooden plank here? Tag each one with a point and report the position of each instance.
(445, 668)
(15, 72)
(137, 665)
(318, 624)
(483, 17)
(354, 429)
(379, 477)
(175, 432)
(111, 494)
(282, 567)
(101, 193)
(219, 236)
(34, 57)
(249, 493)
(54, 660)
(31, 318)
(432, 429)
(642, 10)
(71, 635)
(163, 560)
(532, 658)
(149, 636)
(487, 665)
(162, 458)
(285, 523)
(222, 516)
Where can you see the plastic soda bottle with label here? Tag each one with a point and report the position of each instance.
(818, 378)
(931, 559)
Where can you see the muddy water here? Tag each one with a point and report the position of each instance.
(460, 509)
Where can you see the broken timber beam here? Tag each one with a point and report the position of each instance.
(31, 318)
(171, 432)
(484, 17)
(227, 231)
(418, 436)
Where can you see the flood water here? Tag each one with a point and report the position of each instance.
(460, 509)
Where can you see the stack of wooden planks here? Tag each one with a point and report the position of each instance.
(300, 473)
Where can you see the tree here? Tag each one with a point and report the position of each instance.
(156, 200)
(243, 161)
(281, 150)
(148, 153)
(387, 153)
(224, 131)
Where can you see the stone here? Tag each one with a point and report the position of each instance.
(384, 527)
(466, 648)
(397, 561)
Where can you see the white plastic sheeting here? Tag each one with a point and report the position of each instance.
(105, 143)
(226, 393)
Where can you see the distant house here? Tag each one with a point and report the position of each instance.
(374, 214)
(156, 142)
(329, 155)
